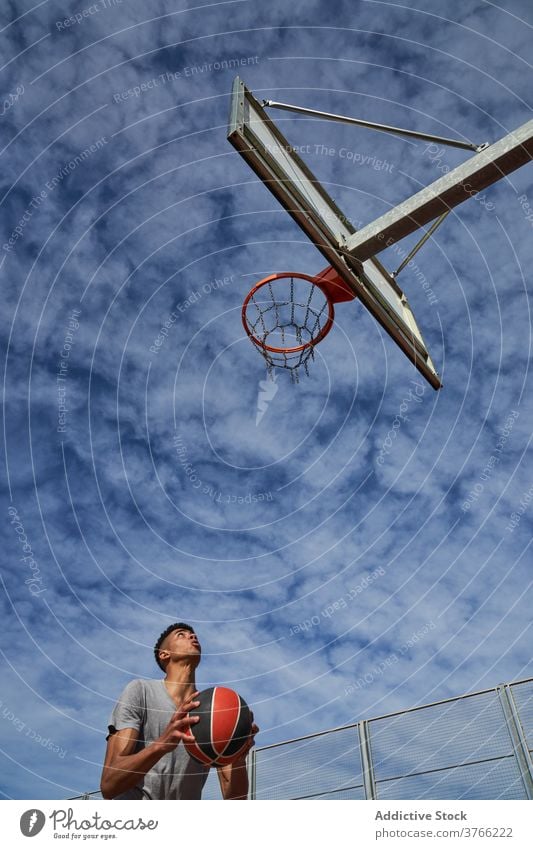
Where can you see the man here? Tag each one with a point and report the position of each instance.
(145, 757)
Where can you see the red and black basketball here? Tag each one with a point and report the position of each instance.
(223, 729)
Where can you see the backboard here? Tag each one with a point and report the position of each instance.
(253, 133)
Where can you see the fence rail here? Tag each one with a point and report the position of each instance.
(474, 746)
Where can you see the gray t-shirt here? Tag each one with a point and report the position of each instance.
(146, 705)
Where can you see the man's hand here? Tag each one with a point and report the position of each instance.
(179, 727)
(251, 740)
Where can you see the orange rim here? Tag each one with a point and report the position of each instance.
(312, 342)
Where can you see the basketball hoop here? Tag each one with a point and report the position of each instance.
(286, 315)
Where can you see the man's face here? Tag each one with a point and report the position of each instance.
(181, 644)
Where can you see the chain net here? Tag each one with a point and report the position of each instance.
(288, 313)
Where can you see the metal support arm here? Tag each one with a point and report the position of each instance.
(384, 128)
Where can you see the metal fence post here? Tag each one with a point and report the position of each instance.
(516, 732)
(369, 780)
(252, 774)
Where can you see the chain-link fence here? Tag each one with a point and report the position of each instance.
(477, 746)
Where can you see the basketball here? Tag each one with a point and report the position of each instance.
(223, 729)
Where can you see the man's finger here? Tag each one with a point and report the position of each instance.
(186, 720)
(192, 697)
(184, 709)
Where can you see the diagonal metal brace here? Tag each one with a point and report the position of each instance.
(420, 244)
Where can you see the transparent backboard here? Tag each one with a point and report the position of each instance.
(267, 151)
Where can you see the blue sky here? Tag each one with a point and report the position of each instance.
(305, 547)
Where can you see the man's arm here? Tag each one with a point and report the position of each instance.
(123, 769)
(233, 780)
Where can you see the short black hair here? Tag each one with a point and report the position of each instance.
(177, 626)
